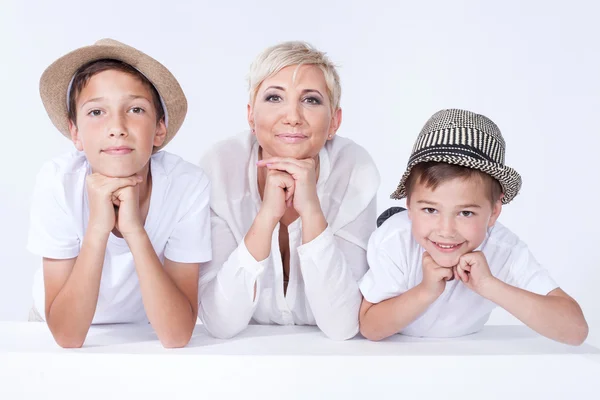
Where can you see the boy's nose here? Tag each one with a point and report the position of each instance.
(447, 228)
(117, 133)
(117, 127)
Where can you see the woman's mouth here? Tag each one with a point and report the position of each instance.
(292, 137)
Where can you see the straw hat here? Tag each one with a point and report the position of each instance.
(56, 79)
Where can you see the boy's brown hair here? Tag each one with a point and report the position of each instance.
(433, 174)
(87, 71)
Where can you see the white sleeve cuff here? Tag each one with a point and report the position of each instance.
(368, 288)
(541, 283)
(248, 262)
(316, 246)
(188, 256)
(47, 252)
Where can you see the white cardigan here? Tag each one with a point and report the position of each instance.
(322, 288)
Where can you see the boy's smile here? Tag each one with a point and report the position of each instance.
(453, 219)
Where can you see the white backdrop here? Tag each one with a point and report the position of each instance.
(533, 67)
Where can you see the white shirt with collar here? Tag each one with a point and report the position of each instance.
(395, 262)
(324, 273)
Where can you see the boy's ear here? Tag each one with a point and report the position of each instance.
(75, 135)
(496, 210)
(161, 133)
(408, 208)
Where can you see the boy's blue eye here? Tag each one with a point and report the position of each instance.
(137, 110)
(466, 213)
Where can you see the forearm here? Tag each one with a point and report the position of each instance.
(390, 316)
(313, 225)
(558, 318)
(258, 237)
(330, 285)
(169, 311)
(228, 301)
(71, 313)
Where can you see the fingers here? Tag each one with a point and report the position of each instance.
(110, 185)
(297, 172)
(447, 274)
(305, 163)
(462, 274)
(469, 260)
(298, 169)
(282, 181)
(114, 184)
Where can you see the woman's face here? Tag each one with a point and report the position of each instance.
(291, 114)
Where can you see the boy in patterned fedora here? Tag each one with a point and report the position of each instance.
(440, 268)
(121, 226)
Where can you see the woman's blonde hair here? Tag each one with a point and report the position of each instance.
(275, 58)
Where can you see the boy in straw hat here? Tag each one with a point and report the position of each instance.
(440, 268)
(120, 225)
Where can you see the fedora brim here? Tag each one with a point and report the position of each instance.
(54, 83)
(509, 179)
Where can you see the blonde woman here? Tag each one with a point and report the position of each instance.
(292, 205)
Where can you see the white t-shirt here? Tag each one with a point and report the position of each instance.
(324, 273)
(178, 225)
(395, 262)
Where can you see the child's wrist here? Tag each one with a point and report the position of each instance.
(426, 294)
(133, 233)
(490, 287)
(93, 230)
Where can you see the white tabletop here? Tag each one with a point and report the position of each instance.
(127, 361)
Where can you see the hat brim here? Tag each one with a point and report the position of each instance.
(509, 179)
(55, 81)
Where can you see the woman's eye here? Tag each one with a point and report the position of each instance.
(312, 100)
(466, 213)
(273, 98)
(95, 113)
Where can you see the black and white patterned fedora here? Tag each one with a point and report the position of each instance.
(463, 138)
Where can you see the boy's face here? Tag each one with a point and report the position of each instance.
(453, 219)
(116, 124)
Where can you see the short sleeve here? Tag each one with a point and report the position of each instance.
(526, 273)
(190, 241)
(386, 277)
(52, 231)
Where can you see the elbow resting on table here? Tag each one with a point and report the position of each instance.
(176, 341)
(371, 334)
(67, 341)
(578, 334)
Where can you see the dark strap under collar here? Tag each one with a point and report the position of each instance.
(388, 213)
